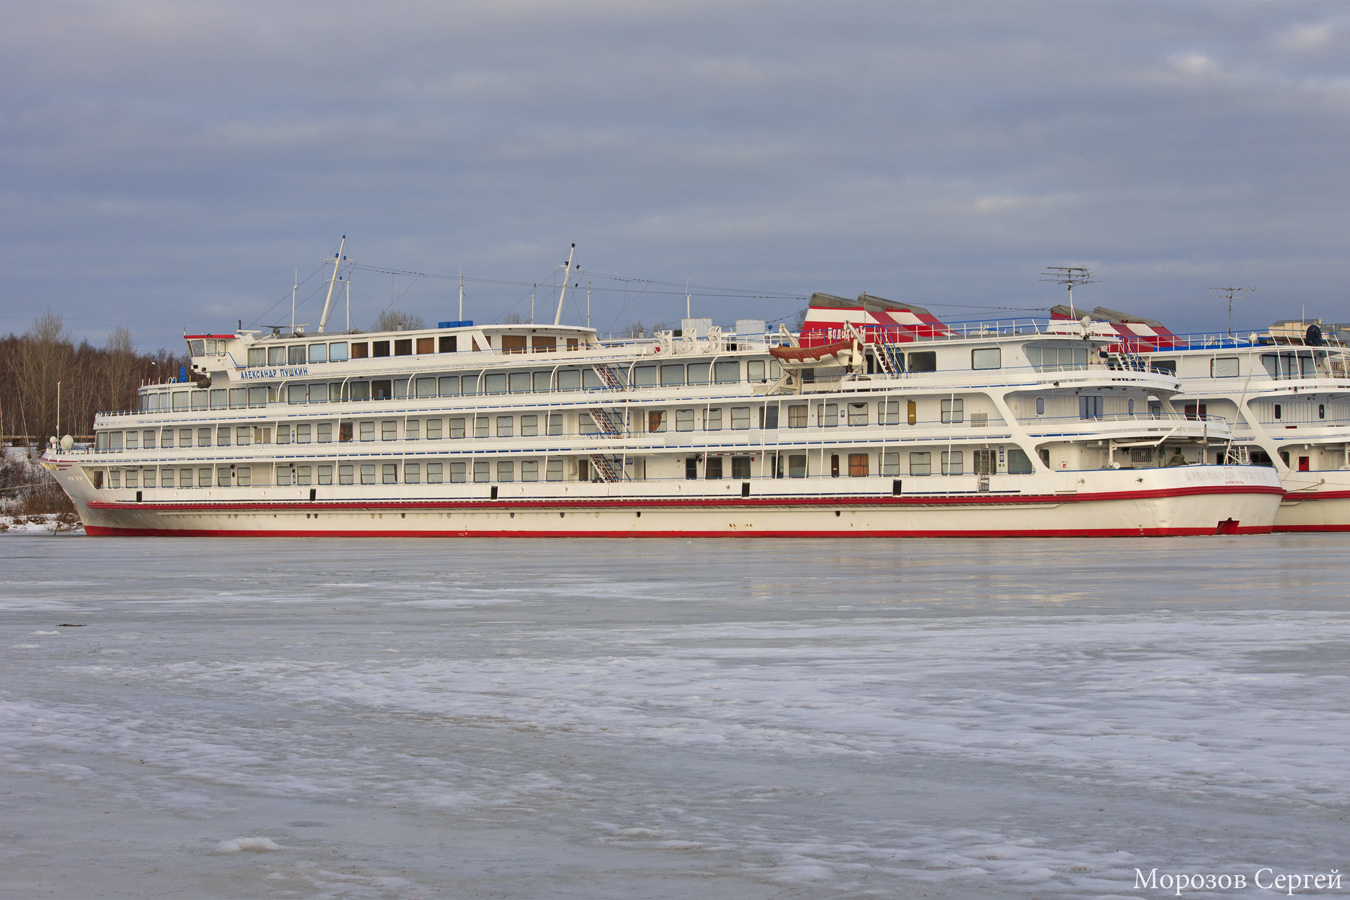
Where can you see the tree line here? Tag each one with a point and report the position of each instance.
(93, 379)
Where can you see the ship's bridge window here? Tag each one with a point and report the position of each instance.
(921, 361)
(337, 351)
(195, 348)
(257, 356)
(318, 353)
(644, 376)
(728, 372)
(379, 348)
(276, 356)
(569, 379)
(699, 373)
(448, 343)
(672, 374)
(1223, 367)
(986, 358)
(514, 343)
(544, 344)
(426, 345)
(360, 350)
(1053, 359)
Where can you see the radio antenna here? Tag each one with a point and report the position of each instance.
(1069, 276)
(1229, 293)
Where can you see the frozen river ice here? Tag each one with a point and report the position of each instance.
(663, 719)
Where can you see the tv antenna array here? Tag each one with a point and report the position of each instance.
(1069, 276)
(1220, 293)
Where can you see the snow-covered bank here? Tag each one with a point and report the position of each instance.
(52, 523)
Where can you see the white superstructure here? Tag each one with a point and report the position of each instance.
(878, 421)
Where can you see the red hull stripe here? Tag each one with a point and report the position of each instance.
(1299, 496)
(102, 531)
(697, 503)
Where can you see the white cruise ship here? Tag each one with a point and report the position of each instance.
(878, 420)
(1285, 392)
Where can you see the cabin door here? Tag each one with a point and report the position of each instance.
(983, 466)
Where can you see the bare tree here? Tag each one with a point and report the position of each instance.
(398, 320)
(43, 358)
(511, 318)
(635, 330)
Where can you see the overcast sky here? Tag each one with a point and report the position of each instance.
(169, 165)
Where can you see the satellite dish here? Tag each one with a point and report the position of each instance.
(1313, 338)
(67, 442)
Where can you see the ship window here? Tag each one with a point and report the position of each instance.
(403, 347)
(569, 380)
(672, 374)
(857, 465)
(185, 437)
(1223, 367)
(953, 411)
(529, 470)
(425, 387)
(1018, 462)
(257, 356)
(1091, 406)
(238, 398)
(712, 469)
(541, 380)
(920, 463)
(986, 358)
(656, 420)
(223, 436)
(740, 467)
(133, 440)
(1192, 411)
(204, 477)
(684, 420)
(379, 348)
(482, 471)
(544, 344)
(494, 383)
(447, 345)
(1040, 406)
(690, 468)
(518, 382)
(389, 473)
(196, 348)
(586, 424)
(344, 432)
(368, 473)
(276, 356)
(257, 396)
(456, 428)
(360, 350)
(318, 353)
(754, 369)
(412, 473)
(644, 376)
(797, 415)
(150, 478)
(555, 423)
(295, 355)
(590, 380)
(382, 390)
(921, 361)
(712, 419)
(952, 462)
(149, 441)
(283, 434)
(513, 343)
(243, 435)
(888, 413)
(199, 399)
(115, 478)
(302, 433)
(890, 463)
(337, 351)
(797, 465)
(506, 470)
(185, 478)
(297, 393)
(827, 415)
(1166, 366)
(529, 426)
(857, 414)
(1277, 411)
(426, 345)
(768, 416)
(262, 434)
(505, 426)
(728, 372)
(180, 400)
(325, 475)
(740, 418)
(435, 473)
(555, 470)
(318, 392)
(448, 385)
(410, 430)
(302, 475)
(219, 399)
(325, 430)
(389, 430)
(165, 480)
(345, 474)
(480, 426)
(433, 429)
(367, 431)
(457, 473)
(699, 373)
(1321, 411)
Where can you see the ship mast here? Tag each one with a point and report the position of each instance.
(557, 319)
(337, 264)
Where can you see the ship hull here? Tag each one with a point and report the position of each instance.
(1195, 500)
(1315, 501)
